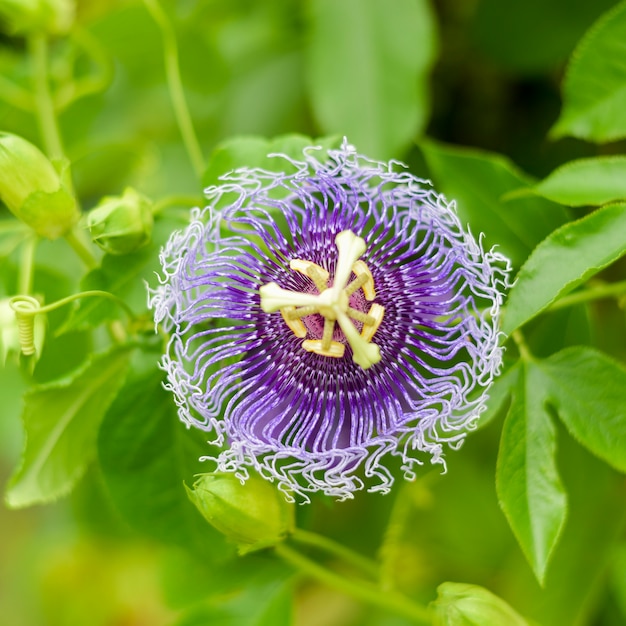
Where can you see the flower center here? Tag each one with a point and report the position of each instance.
(332, 303)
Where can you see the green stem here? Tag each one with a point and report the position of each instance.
(522, 346)
(308, 538)
(94, 82)
(27, 265)
(362, 591)
(44, 105)
(610, 290)
(83, 294)
(81, 250)
(175, 85)
(178, 200)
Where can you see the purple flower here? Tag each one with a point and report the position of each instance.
(325, 319)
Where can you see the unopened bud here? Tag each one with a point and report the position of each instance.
(254, 515)
(459, 604)
(26, 17)
(33, 190)
(121, 224)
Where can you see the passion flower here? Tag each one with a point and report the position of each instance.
(329, 317)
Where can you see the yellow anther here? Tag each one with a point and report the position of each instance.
(377, 313)
(313, 271)
(296, 325)
(336, 349)
(359, 268)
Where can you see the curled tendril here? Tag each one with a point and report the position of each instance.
(25, 309)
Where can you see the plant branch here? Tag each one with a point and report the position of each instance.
(44, 106)
(175, 85)
(522, 346)
(362, 591)
(27, 265)
(610, 290)
(83, 252)
(329, 546)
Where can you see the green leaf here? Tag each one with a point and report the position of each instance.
(368, 68)
(146, 455)
(528, 485)
(501, 29)
(124, 276)
(564, 260)
(61, 420)
(594, 89)
(586, 182)
(252, 152)
(588, 390)
(117, 275)
(499, 394)
(247, 592)
(477, 180)
(12, 234)
(618, 578)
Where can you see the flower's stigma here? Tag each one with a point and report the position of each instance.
(350, 249)
(332, 303)
(274, 298)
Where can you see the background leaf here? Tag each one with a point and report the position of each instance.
(501, 30)
(594, 89)
(146, 455)
(367, 71)
(529, 488)
(61, 420)
(588, 390)
(586, 182)
(564, 260)
(477, 180)
(252, 151)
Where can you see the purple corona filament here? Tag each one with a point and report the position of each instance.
(326, 319)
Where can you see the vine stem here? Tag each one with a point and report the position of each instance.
(175, 85)
(83, 294)
(308, 538)
(522, 346)
(83, 252)
(362, 591)
(44, 106)
(178, 200)
(27, 265)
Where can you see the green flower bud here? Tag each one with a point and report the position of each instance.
(25, 17)
(459, 604)
(121, 224)
(33, 190)
(254, 515)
